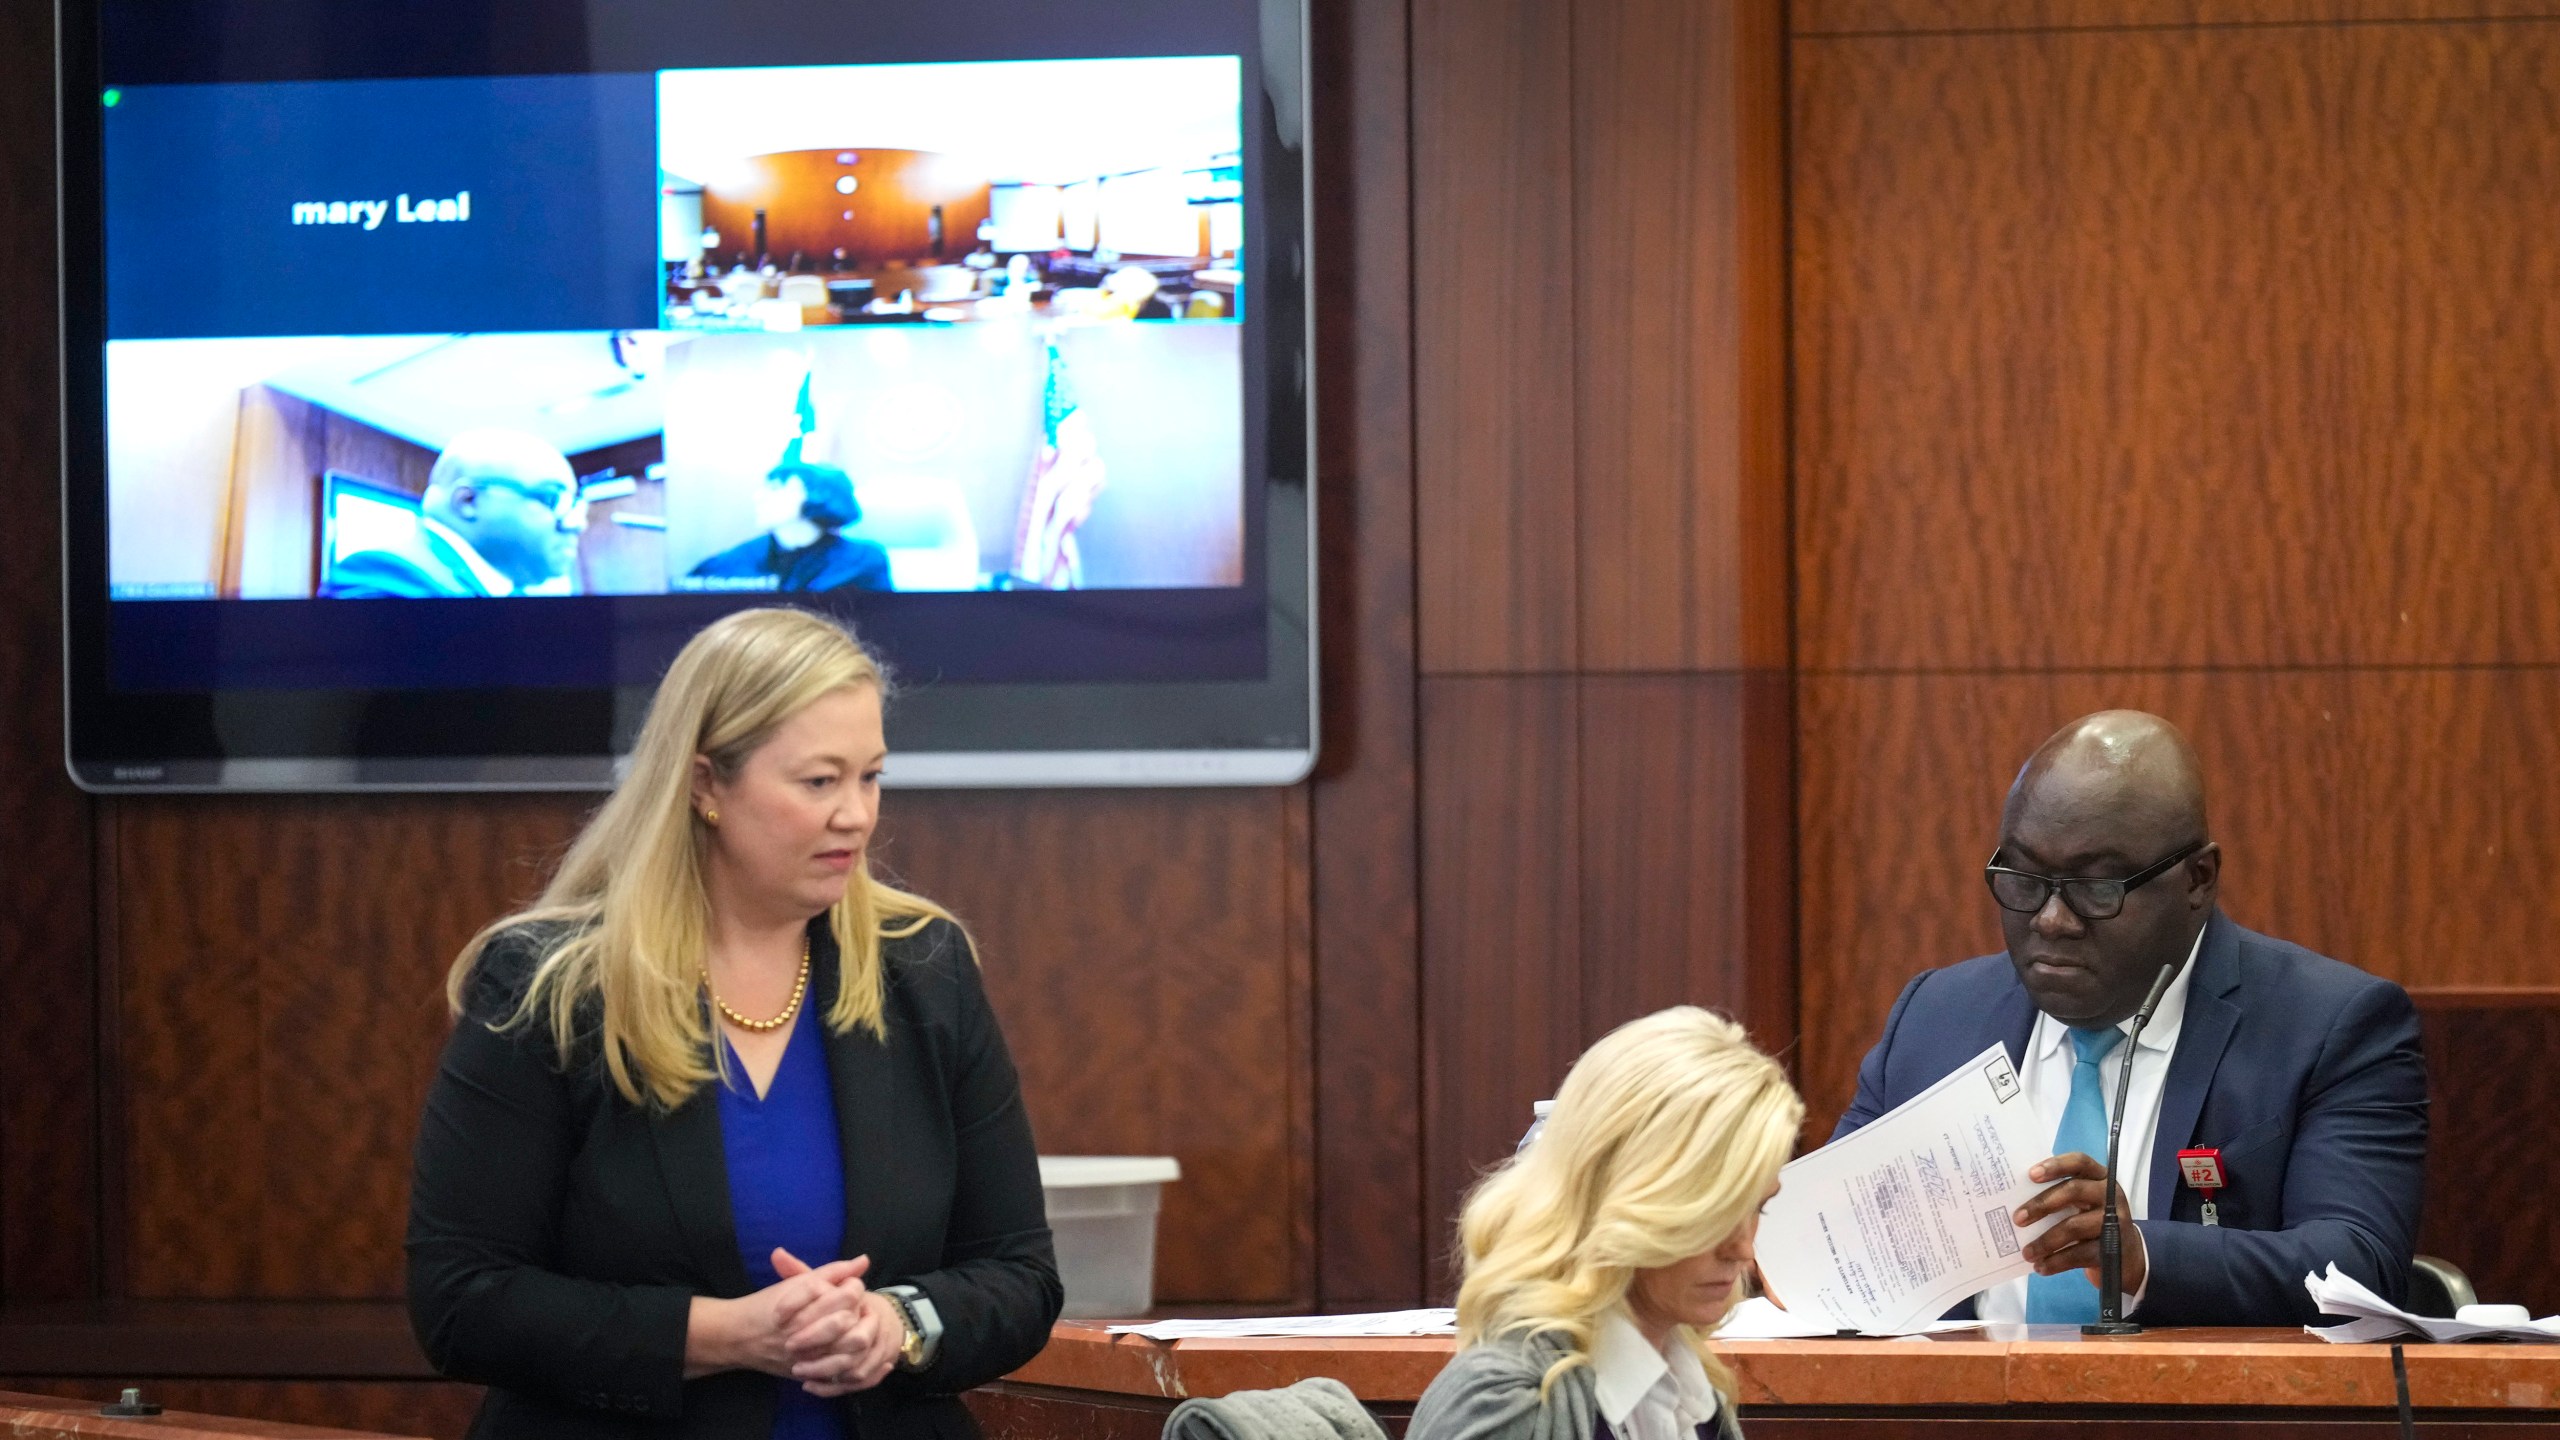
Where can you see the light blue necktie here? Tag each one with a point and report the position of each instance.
(2069, 1298)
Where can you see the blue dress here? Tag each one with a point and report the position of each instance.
(786, 1188)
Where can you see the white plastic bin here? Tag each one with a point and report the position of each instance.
(1102, 1214)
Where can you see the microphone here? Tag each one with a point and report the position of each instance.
(2111, 1319)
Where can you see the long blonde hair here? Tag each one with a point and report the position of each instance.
(1661, 1143)
(629, 897)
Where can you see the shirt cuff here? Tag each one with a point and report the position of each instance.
(2133, 1302)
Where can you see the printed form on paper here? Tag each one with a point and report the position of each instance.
(1884, 1229)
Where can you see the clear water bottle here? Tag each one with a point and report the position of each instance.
(1537, 1121)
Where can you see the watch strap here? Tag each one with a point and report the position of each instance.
(924, 1322)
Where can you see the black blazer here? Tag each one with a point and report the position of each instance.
(558, 1233)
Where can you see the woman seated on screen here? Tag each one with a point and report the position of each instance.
(1600, 1257)
(804, 509)
(726, 1141)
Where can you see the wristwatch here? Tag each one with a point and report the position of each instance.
(924, 1325)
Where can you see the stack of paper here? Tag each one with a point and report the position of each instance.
(2338, 1293)
(1757, 1319)
(1387, 1322)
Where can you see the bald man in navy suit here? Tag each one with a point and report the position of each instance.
(2305, 1073)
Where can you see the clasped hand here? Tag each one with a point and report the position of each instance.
(2080, 1198)
(818, 1325)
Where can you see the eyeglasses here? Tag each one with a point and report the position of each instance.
(2026, 892)
(568, 510)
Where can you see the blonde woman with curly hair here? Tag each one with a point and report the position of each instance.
(726, 1141)
(1600, 1257)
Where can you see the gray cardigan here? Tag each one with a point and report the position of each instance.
(1490, 1392)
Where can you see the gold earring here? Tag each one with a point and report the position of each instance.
(710, 816)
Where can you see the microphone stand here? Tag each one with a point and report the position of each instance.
(2111, 1319)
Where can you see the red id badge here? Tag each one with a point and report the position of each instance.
(2202, 1170)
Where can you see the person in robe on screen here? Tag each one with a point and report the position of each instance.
(2303, 1072)
(726, 1141)
(804, 507)
(1600, 1257)
(500, 516)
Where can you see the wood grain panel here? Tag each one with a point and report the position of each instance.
(432, 1408)
(281, 970)
(1370, 1238)
(2493, 1183)
(1680, 371)
(1668, 825)
(48, 1102)
(1875, 17)
(806, 220)
(1138, 945)
(1502, 987)
(2152, 348)
(284, 446)
(2404, 821)
(1494, 291)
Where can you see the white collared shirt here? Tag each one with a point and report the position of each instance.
(491, 578)
(2046, 1078)
(1646, 1393)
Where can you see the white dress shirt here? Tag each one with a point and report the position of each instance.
(1645, 1393)
(491, 578)
(2046, 1077)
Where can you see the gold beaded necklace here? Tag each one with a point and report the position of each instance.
(799, 991)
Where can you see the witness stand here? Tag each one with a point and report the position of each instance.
(2000, 1381)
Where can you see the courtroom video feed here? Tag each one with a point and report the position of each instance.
(386, 466)
(980, 457)
(974, 457)
(1062, 191)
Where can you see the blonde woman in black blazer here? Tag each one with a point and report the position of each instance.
(575, 1219)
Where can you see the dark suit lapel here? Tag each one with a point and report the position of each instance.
(2014, 1021)
(2203, 1034)
(858, 1072)
(694, 1164)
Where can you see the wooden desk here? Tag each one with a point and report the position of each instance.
(2005, 1381)
(44, 1415)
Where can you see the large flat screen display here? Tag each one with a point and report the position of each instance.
(432, 371)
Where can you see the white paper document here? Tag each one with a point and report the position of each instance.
(1441, 1321)
(1885, 1229)
(2338, 1293)
(1757, 1319)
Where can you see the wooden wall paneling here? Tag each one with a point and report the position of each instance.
(114, 1079)
(1501, 941)
(284, 445)
(2398, 820)
(1665, 825)
(1687, 797)
(2236, 338)
(1138, 945)
(1881, 17)
(1297, 1018)
(888, 219)
(1679, 367)
(2493, 1181)
(48, 1100)
(1367, 1007)
(1771, 898)
(1496, 293)
(281, 965)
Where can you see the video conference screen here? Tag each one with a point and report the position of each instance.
(451, 350)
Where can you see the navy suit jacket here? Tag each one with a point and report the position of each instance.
(424, 567)
(2304, 1072)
